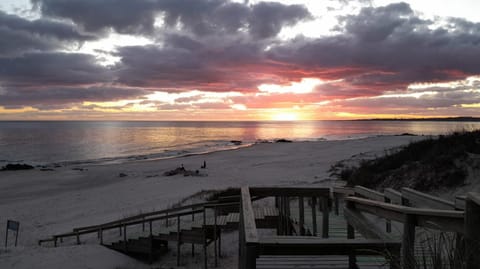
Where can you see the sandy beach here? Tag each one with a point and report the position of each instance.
(52, 202)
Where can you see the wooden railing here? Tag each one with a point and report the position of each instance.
(251, 245)
(144, 219)
(417, 209)
(317, 197)
(163, 212)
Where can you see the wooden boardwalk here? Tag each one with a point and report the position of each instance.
(309, 228)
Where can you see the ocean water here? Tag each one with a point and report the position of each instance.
(47, 142)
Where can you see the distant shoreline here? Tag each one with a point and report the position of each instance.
(459, 119)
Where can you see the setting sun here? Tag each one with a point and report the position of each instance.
(285, 116)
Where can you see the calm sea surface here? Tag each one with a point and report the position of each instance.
(43, 142)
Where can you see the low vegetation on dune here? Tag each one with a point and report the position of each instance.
(438, 162)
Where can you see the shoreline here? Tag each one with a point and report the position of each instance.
(181, 153)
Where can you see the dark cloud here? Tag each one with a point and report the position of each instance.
(201, 17)
(448, 99)
(20, 35)
(185, 65)
(376, 24)
(64, 97)
(99, 15)
(392, 43)
(268, 18)
(34, 69)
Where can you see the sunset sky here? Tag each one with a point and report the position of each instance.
(238, 60)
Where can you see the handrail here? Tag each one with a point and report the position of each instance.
(248, 217)
(248, 236)
(119, 225)
(393, 196)
(144, 215)
(289, 192)
(438, 219)
(415, 197)
(369, 193)
(406, 209)
(343, 190)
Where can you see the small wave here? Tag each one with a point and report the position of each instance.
(163, 153)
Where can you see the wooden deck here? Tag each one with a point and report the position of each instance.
(309, 228)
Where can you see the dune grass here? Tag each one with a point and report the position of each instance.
(425, 165)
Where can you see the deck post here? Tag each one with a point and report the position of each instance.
(204, 238)
(178, 240)
(251, 256)
(143, 224)
(125, 237)
(287, 219)
(301, 209)
(335, 197)
(325, 217)
(55, 241)
(220, 243)
(100, 234)
(215, 235)
(150, 255)
(395, 258)
(408, 242)
(314, 215)
(472, 233)
(388, 223)
(282, 210)
(193, 245)
(78, 238)
(352, 259)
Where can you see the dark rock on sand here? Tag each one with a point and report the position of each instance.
(47, 169)
(176, 171)
(282, 140)
(184, 172)
(16, 166)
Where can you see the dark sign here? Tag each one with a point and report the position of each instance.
(14, 226)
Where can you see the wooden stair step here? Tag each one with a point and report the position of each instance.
(233, 217)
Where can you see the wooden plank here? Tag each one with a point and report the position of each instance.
(289, 192)
(444, 224)
(343, 190)
(308, 245)
(259, 213)
(420, 199)
(369, 193)
(363, 225)
(394, 196)
(460, 202)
